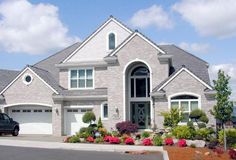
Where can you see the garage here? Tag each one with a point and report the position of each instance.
(32, 119)
(73, 120)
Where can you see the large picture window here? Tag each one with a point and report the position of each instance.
(186, 104)
(81, 78)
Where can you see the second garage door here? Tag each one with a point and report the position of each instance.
(33, 120)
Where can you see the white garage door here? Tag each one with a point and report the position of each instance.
(73, 120)
(33, 120)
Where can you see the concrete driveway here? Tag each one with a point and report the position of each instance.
(33, 137)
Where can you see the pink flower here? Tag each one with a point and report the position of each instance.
(129, 141)
(182, 143)
(169, 141)
(107, 138)
(114, 140)
(90, 139)
(147, 142)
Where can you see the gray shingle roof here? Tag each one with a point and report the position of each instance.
(6, 76)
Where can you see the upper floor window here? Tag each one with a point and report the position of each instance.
(186, 104)
(81, 78)
(111, 41)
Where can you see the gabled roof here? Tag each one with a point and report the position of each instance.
(175, 74)
(128, 39)
(111, 18)
(6, 76)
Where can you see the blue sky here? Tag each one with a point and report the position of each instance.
(204, 28)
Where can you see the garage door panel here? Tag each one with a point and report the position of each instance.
(33, 120)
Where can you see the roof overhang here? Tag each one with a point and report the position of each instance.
(210, 94)
(158, 95)
(111, 59)
(1, 98)
(82, 64)
(165, 58)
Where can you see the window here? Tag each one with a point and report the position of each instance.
(72, 110)
(104, 111)
(81, 78)
(111, 41)
(48, 110)
(15, 110)
(27, 79)
(37, 110)
(26, 110)
(186, 104)
(86, 110)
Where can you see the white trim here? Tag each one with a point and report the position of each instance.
(79, 106)
(27, 68)
(124, 87)
(24, 80)
(102, 111)
(189, 72)
(107, 40)
(26, 104)
(144, 38)
(92, 35)
(81, 68)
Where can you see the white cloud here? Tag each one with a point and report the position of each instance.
(153, 16)
(229, 69)
(216, 18)
(195, 47)
(31, 28)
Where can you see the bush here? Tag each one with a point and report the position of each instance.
(199, 115)
(157, 141)
(129, 141)
(172, 118)
(102, 131)
(147, 142)
(114, 140)
(115, 133)
(182, 143)
(100, 125)
(82, 130)
(126, 127)
(183, 132)
(99, 140)
(90, 139)
(145, 134)
(202, 134)
(89, 117)
(230, 136)
(74, 139)
(169, 141)
(84, 135)
(232, 154)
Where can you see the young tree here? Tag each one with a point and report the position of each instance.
(223, 109)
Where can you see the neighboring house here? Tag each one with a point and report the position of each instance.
(117, 73)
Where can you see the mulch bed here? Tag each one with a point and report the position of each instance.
(187, 153)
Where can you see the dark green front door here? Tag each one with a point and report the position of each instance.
(140, 114)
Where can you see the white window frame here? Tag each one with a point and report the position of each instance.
(108, 40)
(102, 111)
(184, 100)
(85, 88)
(24, 79)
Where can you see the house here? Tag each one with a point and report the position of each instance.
(117, 73)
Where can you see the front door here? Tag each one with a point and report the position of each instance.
(140, 114)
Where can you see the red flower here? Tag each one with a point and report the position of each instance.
(182, 143)
(129, 141)
(90, 139)
(107, 138)
(169, 141)
(114, 140)
(147, 142)
(232, 154)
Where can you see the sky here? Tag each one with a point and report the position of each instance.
(31, 30)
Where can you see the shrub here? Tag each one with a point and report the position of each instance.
(74, 139)
(129, 141)
(102, 131)
(107, 138)
(99, 140)
(157, 141)
(218, 151)
(199, 115)
(115, 133)
(182, 132)
(84, 135)
(82, 130)
(232, 154)
(90, 139)
(169, 141)
(147, 142)
(114, 140)
(90, 131)
(89, 117)
(172, 118)
(126, 127)
(100, 125)
(202, 133)
(182, 143)
(145, 134)
(230, 136)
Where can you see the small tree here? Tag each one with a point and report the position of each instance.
(100, 125)
(172, 118)
(89, 117)
(223, 109)
(199, 117)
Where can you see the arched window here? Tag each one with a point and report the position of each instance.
(111, 41)
(185, 103)
(104, 111)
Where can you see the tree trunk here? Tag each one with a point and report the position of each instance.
(225, 141)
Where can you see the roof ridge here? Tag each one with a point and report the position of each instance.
(56, 53)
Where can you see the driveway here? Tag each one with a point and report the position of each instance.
(33, 137)
(21, 153)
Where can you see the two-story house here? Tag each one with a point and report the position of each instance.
(117, 73)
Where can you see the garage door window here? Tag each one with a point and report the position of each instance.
(15, 110)
(72, 110)
(48, 110)
(86, 110)
(26, 110)
(37, 110)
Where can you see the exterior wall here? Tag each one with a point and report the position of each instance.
(63, 78)
(184, 82)
(96, 48)
(136, 48)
